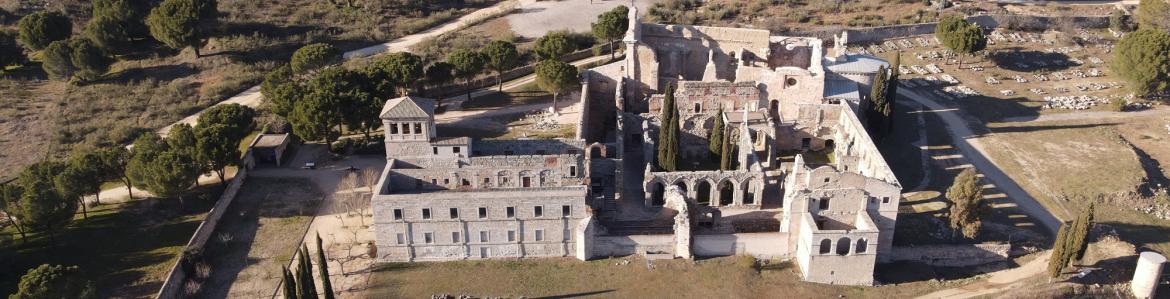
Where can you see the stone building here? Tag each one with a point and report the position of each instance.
(807, 183)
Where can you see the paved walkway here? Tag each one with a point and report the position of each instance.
(965, 140)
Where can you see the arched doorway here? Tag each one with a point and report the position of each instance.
(749, 197)
(704, 190)
(862, 246)
(774, 107)
(656, 193)
(826, 245)
(726, 193)
(682, 186)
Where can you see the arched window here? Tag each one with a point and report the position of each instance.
(826, 245)
(843, 246)
(656, 193)
(862, 246)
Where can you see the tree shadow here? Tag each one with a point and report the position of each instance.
(1026, 129)
(1142, 235)
(1020, 60)
(160, 73)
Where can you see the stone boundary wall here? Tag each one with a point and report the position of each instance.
(953, 255)
(173, 286)
(455, 89)
(874, 34)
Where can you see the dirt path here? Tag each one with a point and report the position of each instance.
(965, 140)
(1096, 115)
(252, 97)
(996, 282)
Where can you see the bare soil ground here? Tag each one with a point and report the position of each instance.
(257, 236)
(629, 277)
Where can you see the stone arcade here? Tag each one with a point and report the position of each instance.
(808, 183)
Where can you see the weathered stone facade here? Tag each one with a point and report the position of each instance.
(806, 183)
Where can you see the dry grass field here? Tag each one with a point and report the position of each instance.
(725, 277)
(153, 87)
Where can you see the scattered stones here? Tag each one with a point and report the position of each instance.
(1081, 102)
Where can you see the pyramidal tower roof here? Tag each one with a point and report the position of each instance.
(408, 107)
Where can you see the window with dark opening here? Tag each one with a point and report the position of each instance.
(426, 213)
(566, 211)
(538, 211)
(454, 213)
(511, 212)
(397, 214)
(482, 213)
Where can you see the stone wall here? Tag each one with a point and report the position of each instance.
(528, 147)
(490, 172)
(173, 286)
(953, 255)
(422, 226)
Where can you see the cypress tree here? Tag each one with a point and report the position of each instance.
(289, 284)
(715, 138)
(668, 131)
(726, 153)
(306, 288)
(323, 266)
(892, 92)
(877, 102)
(1059, 257)
(1078, 238)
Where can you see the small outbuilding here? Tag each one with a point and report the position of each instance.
(269, 148)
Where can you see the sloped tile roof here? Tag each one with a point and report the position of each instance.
(408, 107)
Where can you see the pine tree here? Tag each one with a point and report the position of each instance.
(667, 144)
(1059, 257)
(715, 138)
(289, 284)
(323, 267)
(1078, 238)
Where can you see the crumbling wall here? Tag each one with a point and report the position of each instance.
(953, 255)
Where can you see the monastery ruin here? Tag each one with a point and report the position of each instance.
(808, 183)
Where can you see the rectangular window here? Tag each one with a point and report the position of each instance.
(825, 204)
(394, 129)
(566, 211)
(539, 235)
(567, 235)
(455, 237)
(435, 149)
(886, 199)
(455, 149)
(418, 128)
(482, 213)
(573, 170)
(405, 128)
(538, 211)
(397, 214)
(511, 212)
(483, 236)
(426, 214)
(454, 213)
(429, 238)
(401, 239)
(526, 181)
(511, 236)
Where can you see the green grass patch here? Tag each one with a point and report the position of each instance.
(125, 249)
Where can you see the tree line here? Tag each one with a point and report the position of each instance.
(115, 26)
(46, 195)
(321, 99)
